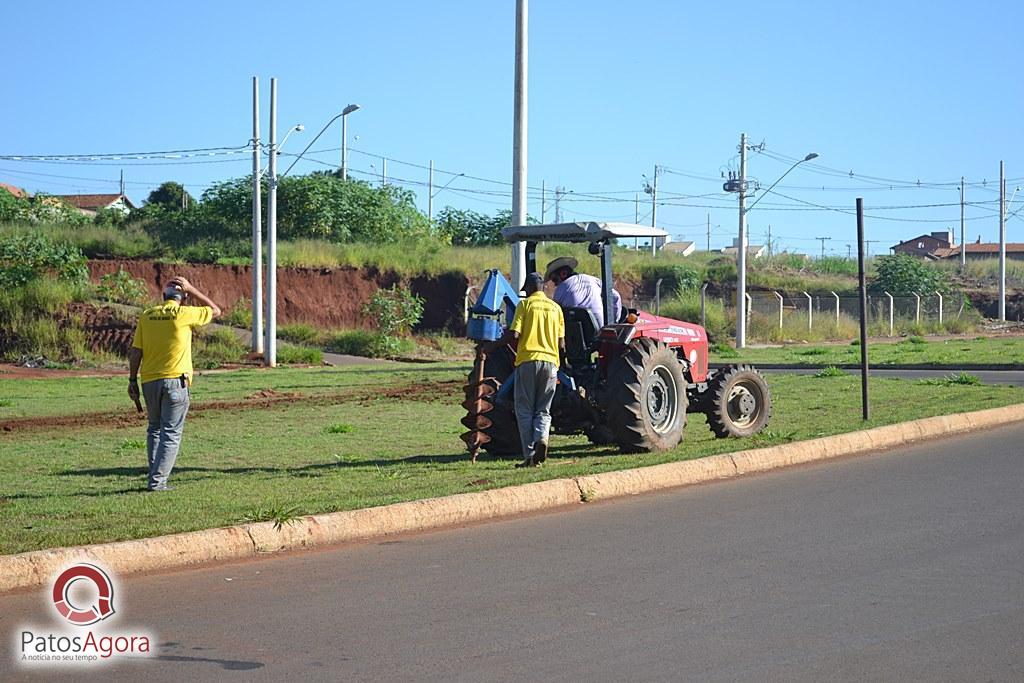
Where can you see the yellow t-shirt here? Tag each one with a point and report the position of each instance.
(164, 334)
(540, 325)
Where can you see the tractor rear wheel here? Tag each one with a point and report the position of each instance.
(646, 398)
(737, 402)
(503, 430)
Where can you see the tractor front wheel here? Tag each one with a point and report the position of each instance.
(737, 402)
(646, 398)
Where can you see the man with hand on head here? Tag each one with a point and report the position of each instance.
(579, 290)
(162, 353)
(539, 327)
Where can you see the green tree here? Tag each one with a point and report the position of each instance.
(905, 274)
(170, 195)
(469, 228)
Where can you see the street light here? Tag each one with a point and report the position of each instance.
(430, 197)
(344, 136)
(741, 252)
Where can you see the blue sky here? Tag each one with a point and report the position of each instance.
(895, 92)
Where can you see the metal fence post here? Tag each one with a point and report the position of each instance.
(837, 308)
(939, 294)
(891, 311)
(780, 307)
(810, 313)
(917, 310)
(703, 307)
(657, 296)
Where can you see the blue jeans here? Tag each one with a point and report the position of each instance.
(166, 406)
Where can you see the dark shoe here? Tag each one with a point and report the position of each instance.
(526, 463)
(160, 488)
(540, 452)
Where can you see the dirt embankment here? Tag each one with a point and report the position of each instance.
(324, 297)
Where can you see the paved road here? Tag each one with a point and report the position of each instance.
(1010, 377)
(907, 565)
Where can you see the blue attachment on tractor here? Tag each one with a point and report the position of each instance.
(497, 299)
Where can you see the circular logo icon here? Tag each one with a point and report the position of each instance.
(80, 615)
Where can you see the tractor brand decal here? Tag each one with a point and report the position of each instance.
(83, 596)
(683, 331)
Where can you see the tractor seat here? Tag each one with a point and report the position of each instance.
(580, 333)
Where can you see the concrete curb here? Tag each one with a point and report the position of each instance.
(37, 568)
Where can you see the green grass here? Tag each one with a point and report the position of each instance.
(78, 484)
(911, 351)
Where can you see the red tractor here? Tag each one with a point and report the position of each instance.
(629, 383)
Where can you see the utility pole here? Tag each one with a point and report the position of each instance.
(963, 234)
(559, 191)
(823, 239)
(1002, 242)
(519, 142)
(654, 211)
(848, 251)
(543, 200)
(430, 193)
(868, 243)
(770, 251)
(741, 252)
(270, 352)
(122, 182)
(636, 219)
(709, 232)
(257, 225)
(383, 171)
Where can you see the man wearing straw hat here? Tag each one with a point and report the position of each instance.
(579, 290)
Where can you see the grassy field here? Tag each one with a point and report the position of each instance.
(951, 353)
(275, 444)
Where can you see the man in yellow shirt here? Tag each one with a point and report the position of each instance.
(162, 350)
(539, 326)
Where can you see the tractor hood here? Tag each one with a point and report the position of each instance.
(578, 232)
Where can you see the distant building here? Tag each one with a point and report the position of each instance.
(680, 248)
(925, 246)
(16, 191)
(983, 250)
(753, 250)
(90, 204)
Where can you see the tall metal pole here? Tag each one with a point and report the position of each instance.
(654, 210)
(741, 253)
(636, 219)
(344, 147)
(383, 171)
(963, 233)
(1002, 241)
(270, 353)
(862, 287)
(257, 225)
(543, 200)
(709, 232)
(519, 143)
(430, 193)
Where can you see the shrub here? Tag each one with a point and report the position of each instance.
(300, 333)
(722, 270)
(686, 306)
(396, 311)
(214, 348)
(830, 371)
(299, 355)
(353, 342)
(904, 274)
(676, 277)
(240, 315)
(122, 288)
(25, 257)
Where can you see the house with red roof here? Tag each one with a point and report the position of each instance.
(90, 204)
